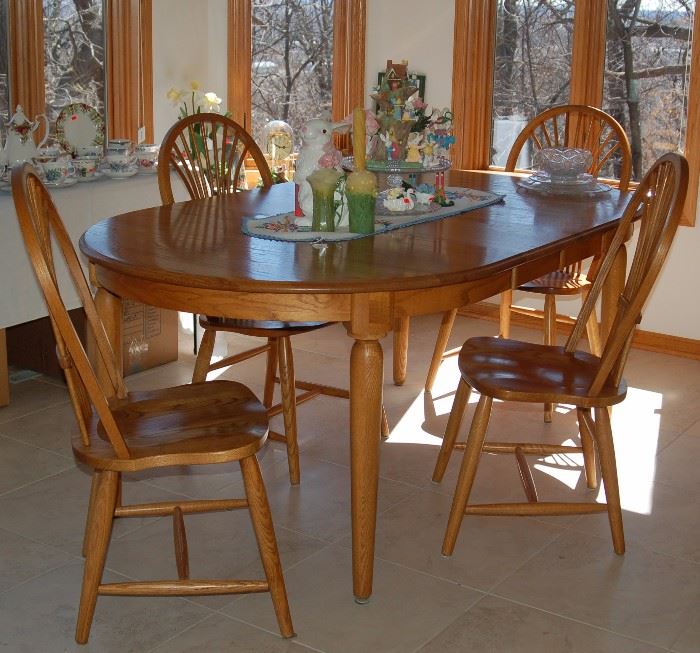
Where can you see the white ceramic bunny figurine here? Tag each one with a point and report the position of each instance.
(317, 151)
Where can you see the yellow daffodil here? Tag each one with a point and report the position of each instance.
(174, 95)
(195, 85)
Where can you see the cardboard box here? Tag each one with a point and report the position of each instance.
(149, 338)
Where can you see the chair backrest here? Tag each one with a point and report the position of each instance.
(42, 229)
(207, 150)
(657, 202)
(574, 125)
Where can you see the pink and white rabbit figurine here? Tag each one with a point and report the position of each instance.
(317, 151)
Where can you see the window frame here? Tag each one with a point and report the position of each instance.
(128, 62)
(472, 82)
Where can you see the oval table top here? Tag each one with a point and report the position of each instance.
(200, 243)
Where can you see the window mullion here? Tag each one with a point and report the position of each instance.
(472, 82)
(240, 61)
(26, 30)
(588, 52)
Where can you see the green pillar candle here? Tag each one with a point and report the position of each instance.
(323, 183)
(361, 191)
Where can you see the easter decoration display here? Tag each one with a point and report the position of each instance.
(411, 138)
(361, 185)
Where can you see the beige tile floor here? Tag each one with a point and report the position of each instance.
(512, 586)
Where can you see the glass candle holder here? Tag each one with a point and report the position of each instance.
(323, 183)
(361, 191)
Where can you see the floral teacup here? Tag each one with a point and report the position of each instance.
(55, 172)
(85, 167)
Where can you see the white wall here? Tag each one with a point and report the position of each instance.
(188, 44)
(186, 47)
(420, 31)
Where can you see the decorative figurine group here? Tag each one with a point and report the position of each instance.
(405, 134)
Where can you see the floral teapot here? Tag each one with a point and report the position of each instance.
(19, 142)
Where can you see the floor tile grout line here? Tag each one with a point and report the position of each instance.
(31, 412)
(578, 621)
(23, 486)
(34, 446)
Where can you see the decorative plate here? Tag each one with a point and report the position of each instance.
(79, 125)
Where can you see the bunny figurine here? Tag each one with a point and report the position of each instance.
(317, 151)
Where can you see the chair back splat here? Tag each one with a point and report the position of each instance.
(120, 432)
(207, 150)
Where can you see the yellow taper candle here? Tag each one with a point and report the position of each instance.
(358, 137)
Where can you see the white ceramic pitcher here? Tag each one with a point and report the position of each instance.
(19, 142)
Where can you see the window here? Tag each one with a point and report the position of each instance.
(57, 52)
(292, 67)
(532, 68)
(73, 55)
(347, 59)
(635, 61)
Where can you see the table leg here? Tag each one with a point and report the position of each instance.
(366, 379)
(4, 371)
(612, 288)
(401, 330)
(109, 308)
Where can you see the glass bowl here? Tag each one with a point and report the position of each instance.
(563, 163)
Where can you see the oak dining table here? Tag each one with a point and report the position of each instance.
(193, 256)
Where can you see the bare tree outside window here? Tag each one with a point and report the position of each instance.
(532, 69)
(4, 68)
(74, 54)
(292, 61)
(646, 72)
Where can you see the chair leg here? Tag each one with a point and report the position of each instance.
(289, 406)
(100, 521)
(608, 469)
(270, 372)
(550, 338)
(504, 314)
(448, 319)
(453, 423)
(206, 349)
(586, 428)
(467, 472)
(385, 424)
(401, 331)
(267, 543)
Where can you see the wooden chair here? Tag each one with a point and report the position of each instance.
(207, 172)
(562, 126)
(509, 370)
(119, 432)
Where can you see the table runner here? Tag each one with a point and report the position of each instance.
(283, 226)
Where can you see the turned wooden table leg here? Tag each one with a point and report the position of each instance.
(401, 330)
(366, 378)
(109, 308)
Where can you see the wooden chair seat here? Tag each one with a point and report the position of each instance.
(559, 282)
(259, 328)
(511, 370)
(192, 424)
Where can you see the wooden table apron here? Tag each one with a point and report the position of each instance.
(193, 257)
